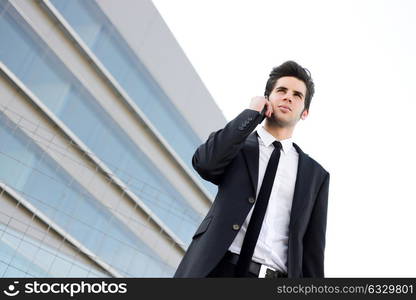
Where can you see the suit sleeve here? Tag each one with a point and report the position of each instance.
(314, 238)
(211, 158)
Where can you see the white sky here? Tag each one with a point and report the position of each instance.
(361, 125)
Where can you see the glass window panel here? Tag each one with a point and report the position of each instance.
(130, 73)
(42, 191)
(81, 113)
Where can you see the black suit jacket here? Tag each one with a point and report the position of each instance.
(230, 159)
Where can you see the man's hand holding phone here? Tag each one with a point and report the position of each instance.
(262, 105)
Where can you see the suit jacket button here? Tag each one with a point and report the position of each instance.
(236, 227)
(251, 200)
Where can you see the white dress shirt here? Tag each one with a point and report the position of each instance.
(271, 247)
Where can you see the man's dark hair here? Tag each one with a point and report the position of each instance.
(291, 68)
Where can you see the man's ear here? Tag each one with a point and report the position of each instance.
(304, 114)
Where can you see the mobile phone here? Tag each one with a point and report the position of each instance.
(263, 114)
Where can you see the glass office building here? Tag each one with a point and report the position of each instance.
(98, 125)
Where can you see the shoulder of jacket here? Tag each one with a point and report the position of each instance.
(317, 164)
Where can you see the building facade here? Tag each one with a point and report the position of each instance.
(100, 113)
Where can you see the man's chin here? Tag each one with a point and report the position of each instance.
(278, 121)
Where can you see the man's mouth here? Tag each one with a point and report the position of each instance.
(284, 108)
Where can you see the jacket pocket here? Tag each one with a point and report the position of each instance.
(202, 227)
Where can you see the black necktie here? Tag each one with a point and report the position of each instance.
(256, 220)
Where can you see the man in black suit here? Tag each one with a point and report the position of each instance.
(269, 215)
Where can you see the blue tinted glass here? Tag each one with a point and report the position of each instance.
(45, 75)
(15, 264)
(49, 188)
(103, 39)
(23, 256)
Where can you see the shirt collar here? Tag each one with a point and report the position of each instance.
(268, 139)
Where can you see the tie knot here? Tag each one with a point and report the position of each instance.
(277, 145)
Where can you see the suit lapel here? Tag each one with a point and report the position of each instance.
(302, 185)
(251, 156)
(303, 177)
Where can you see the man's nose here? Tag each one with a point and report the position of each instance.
(288, 97)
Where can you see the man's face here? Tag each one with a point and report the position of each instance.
(288, 101)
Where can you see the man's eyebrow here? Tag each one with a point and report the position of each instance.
(300, 93)
(285, 88)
